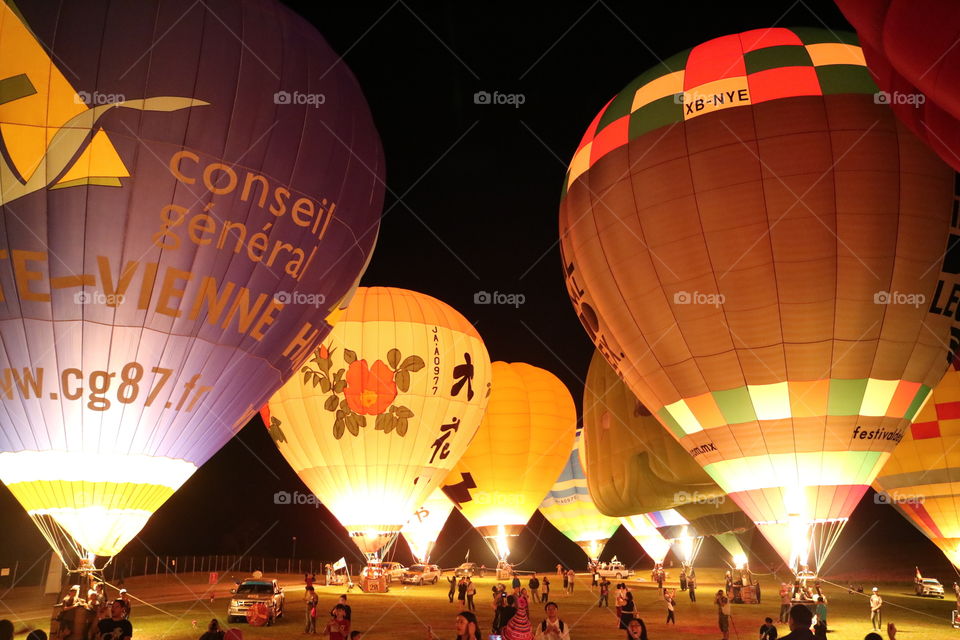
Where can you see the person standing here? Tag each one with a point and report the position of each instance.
(768, 630)
(471, 591)
(566, 582)
(570, 581)
(545, 589)
(636, 630)
(559, 569)
(621, 598)
(800, 619)
(671, 604)
(515, 583)
(692, 587)
(723, 613)
(534, 585)
(683, 578)
(311, 599)
(627, 611)
(784, 602)
(604, 600)
(116, 627)
(452, 580)
(339, 627)
(876, 607)
(462, 592)
(820, 630)
(552, 627)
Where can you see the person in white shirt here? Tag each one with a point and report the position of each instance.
(876, 605)
(552, 627)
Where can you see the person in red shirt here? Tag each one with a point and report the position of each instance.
(339, 627)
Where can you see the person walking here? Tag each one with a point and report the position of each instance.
(471, 591)
(723, 613)
(604, 600)
(452, 580)
(310, 599)
(671, 604)
(876, 609)
(692, 587)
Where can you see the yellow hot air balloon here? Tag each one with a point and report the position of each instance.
(569, 507)
(632, 464)
(644, 531)
(519, 450)
(922, 477)
(761, 251)
(422, 529)
(386, 406)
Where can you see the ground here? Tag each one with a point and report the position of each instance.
(181, 608)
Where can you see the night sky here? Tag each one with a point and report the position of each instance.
(471, 205)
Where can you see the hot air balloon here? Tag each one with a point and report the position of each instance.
(921, 477)
(422, 529)
(521, 446)
(910, 47)
(644, 531)
(631, 463)
(176, 229)
(570, 509)
(385, 407)
(748, 238)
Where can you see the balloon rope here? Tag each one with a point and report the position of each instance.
(892, 604)
(133, 597)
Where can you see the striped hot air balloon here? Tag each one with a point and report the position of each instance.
(757, 246)
(569, 507)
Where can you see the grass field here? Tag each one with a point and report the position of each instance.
(404, 612)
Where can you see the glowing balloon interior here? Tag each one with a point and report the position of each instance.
(385, 407)
(174, 242)
(747, 238)
(422, 529)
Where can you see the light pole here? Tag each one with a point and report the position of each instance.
(294, 554)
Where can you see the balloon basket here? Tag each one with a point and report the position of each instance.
(374, 585)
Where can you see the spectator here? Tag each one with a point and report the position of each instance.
(213, 632)
(636, 630)
(820, 629)
(534, 585)
(37, 634)
(784, 602)
(6, 630)
(552, 627)
(339, 627)
(876, 609)
(604, 600)
(462, 592)
(627, 611)
(723, 613)
(311, 600)
(347, 611)
(116, 627)
(692, 586)
(570, 580)
(452, 580)
(768, 630)
(471, 592)
(545, 589)
(800, 619)
(671, 604)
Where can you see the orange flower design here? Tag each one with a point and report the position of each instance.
(369, 390)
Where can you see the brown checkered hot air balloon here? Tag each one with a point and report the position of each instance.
(757, 247)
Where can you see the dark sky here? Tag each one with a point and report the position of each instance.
(471, 206)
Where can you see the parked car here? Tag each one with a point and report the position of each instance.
(251, 592)
(393, 570)
(614, 570)
(421, 574)
(468, 569)
(929, 587)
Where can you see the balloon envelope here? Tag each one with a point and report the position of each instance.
(910, 47)
(422, 530)
(922, 476)
(570, 509)
(755, 245)
(176, 228)
(520, 448)
(386, 406)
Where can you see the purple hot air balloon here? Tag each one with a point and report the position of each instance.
(188, 190)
